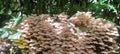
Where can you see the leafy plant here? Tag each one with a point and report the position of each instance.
(116, 51)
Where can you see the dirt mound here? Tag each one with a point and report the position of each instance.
(58, 34)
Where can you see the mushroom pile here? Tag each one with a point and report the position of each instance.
(4, 47)
(59, 34)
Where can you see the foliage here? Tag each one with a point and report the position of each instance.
(9, 31)
(100, 8)
(8, 14)
(116, 51)
(108, 9)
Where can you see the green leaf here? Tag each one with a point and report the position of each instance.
(112, 7)
(6, 29)
(4, 35)
(17, 19)
(15, 36)
(9, 12)
(117, 50)
(2, 11)
(18, 14)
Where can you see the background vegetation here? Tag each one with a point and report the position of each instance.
(109, 9)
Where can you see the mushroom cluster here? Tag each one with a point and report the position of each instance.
(4, 47)
(58, 34)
